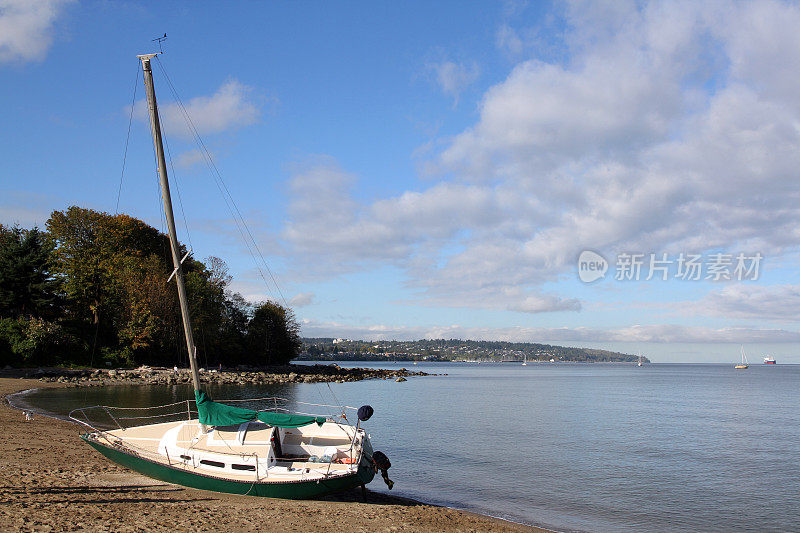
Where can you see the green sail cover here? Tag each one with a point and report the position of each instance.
(212, 413)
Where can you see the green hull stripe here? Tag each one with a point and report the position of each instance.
(294, 490)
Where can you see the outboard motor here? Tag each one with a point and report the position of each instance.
(365, 412)
(383, 464)
(379, 459)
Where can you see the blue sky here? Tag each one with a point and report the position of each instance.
(434, 169)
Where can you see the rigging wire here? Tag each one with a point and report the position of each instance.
(177, 188)
(127, 140)
(179, 354)
(233, 208)
(162, 217)
(230, 203)
(164, 137)
(335, 398)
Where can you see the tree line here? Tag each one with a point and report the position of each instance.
(91, 290)
(452, 349)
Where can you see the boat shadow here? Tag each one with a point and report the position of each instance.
(149, 494)
(115, 494)
(374, 498)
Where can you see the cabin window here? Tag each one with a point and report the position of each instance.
(186, 458)
(212, 463)
(249, 468)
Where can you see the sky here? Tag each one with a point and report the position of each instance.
(621, 175)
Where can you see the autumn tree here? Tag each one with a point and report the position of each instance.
(114, 269)
(94, 289)
(90, 248)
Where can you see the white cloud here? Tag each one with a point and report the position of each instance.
(508, 39)
(190, 158)
(670, 127)
(452, 78)
(512, 8)
(753, 302)
(26, 28)
(301, 299)
(500, 296)
(229, 108)
(638, 334)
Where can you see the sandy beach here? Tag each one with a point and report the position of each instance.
(53, 482)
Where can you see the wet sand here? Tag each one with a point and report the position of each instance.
(51, 481)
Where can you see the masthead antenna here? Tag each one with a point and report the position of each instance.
(160, 40)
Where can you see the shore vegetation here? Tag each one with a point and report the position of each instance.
(90, 289)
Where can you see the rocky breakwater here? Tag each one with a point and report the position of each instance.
(242, 376)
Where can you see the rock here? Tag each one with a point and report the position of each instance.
(112, 373)
(292, 376)
(401, 378)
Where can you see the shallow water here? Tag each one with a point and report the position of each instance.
(574, 447)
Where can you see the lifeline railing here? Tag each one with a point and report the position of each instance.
(103, 418)
(100, 419)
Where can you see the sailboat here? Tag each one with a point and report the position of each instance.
(525, 360)
(640, 360)
(743, 364)
(228, 448)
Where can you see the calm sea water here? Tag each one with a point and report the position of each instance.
(573, 447)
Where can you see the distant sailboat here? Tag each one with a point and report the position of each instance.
(743, 364)
(525, 360)
(640, 360)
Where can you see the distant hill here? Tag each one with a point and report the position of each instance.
(330, 349)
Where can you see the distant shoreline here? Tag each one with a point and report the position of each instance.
(441, 350)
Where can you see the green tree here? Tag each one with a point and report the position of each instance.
(28, 286)
(233, 336)
(205, 288)
(273, 335)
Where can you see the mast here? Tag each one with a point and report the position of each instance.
(173, 239)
